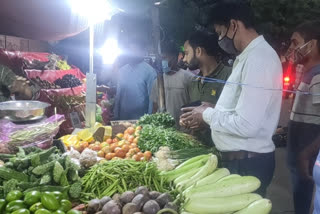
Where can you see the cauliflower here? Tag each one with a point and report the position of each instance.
(164, 164)
(88, 158)
(163, 153)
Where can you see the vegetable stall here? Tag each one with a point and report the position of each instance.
(149, 168)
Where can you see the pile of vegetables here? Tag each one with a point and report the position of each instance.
(41, 170)
(141, 200)
(119, 176)
(36, 202)
(153, 137)
(208, 190)
(164, 120)
(123, 146)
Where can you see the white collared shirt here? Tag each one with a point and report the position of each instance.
(246, 117)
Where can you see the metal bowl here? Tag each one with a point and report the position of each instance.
(23, 111)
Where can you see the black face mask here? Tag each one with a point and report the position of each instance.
(194, 64)
(227, 44)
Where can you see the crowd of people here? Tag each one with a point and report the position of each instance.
(237, 109)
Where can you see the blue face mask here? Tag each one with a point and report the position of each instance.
(165, 66)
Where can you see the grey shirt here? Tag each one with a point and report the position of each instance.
(176, 87)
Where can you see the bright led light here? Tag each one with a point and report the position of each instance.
(95, 10)
(110, 51)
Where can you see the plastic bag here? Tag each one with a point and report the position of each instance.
(36, 134)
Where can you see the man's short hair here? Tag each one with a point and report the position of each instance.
(170, 48)
(225, 10)
(310, 30)
(207, 41)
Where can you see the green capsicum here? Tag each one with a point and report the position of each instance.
(42, 211)
(58, 195)
(21, 211)
(36, 207)
(32, 197)
(58, 212)
(15, 205)
(14, 195)
(49, 201)
(65, 205)
(3, 204)
(74, 212)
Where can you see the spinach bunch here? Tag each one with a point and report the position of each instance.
(164, 120)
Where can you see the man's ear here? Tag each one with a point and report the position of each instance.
(199, 51)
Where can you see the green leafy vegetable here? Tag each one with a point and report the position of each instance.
(152, 138)
(159, 119)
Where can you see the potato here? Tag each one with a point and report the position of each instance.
(112, 207)
(154, 195)
(127, 197)
(130, 208)
(140, 200)
(163, 199)
(151, 207)
(93, 206)
(142, 190)
(116, 197)
(104, 200)
(172, 206)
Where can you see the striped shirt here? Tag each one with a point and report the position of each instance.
(306, 108)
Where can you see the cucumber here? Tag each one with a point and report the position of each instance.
(262, 206)
(185, 176)
(229, 187)
(171, 175)
(229, 177)
(192, 160)
(206, 170)
(220, 205)
(214, 177)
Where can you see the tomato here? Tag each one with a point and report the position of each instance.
(126, 136)
(138, 128)
(96, 147)
(137, 133)
(109, 141)
(130, 139)
(101, 154)
(119, 135)
(136, 158)
(84, 144)
(106, 149)
(113, 147)
(142, 159)
(121, 143)
(120, 153)
(136, 140)
(125, 148)
(147, 155)
(109, 156)
(133, 145)
(137, 150)
(115, 140)
(104, 144)
(131, 130)
(91, 146)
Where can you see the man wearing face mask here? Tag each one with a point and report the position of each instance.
(203, 52)
(176, 83)
(304, 124)
(247, 112)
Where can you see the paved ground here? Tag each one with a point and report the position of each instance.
(279, 191)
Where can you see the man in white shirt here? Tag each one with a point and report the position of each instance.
(247, 113)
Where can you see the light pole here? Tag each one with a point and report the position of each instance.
(94, 11)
